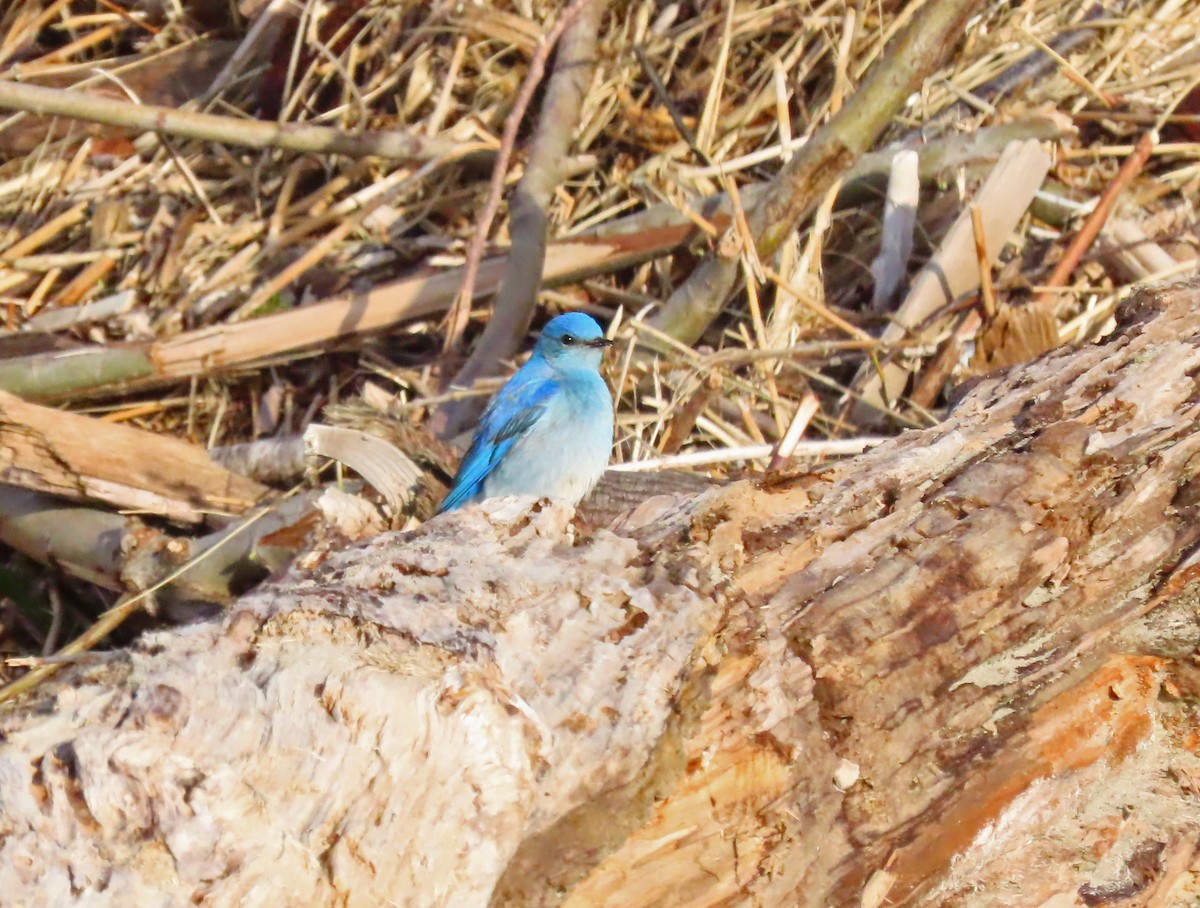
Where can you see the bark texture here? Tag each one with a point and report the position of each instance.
(956, 670)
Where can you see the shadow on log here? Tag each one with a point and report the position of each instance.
(956, 670)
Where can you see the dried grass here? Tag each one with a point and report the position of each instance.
(202, 234)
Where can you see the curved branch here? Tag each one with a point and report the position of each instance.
(460, 311)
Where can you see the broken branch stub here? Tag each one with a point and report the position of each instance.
(84, 458)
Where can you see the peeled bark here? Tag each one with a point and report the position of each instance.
(955, 670)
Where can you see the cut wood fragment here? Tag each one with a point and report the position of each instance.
(1015, 335)
(389, 470)
(267, 460)
(686, 414)
(60, 318)
(930, 384)
(82, 458)
(954, 269)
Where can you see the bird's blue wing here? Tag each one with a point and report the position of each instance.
(508, 417)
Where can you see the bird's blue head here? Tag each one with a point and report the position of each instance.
(572, 341)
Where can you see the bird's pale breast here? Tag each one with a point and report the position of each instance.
(566, 451)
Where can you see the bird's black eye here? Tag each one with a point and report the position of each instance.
(568, 339)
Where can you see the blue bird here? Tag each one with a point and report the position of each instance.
(549, 430)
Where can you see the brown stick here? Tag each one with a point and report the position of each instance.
(395, 144)
(1091, 227)
(513, 308)
(685, 418)
(929, 386)
(86, 280)
(460, 311)
(987, 292)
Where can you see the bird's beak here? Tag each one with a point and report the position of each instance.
(600, 343)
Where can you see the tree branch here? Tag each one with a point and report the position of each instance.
(395, 144)
(912, 56)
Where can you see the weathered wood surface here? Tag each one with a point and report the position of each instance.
(956, 670)
(83, 458)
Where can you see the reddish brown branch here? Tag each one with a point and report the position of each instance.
(456, 318)
(529, 216)
(1095, 221)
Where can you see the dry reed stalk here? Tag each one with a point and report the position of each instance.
(47, 233)
(16, 36)
(87, 279)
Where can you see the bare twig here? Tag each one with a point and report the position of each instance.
(257, 38)
(665, 99)
(1095, 221)
(56, 619)
(456, 318)
(393, 144)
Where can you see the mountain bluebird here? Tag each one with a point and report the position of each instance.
(549, 431)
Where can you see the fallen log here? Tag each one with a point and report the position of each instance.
(955, 670)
